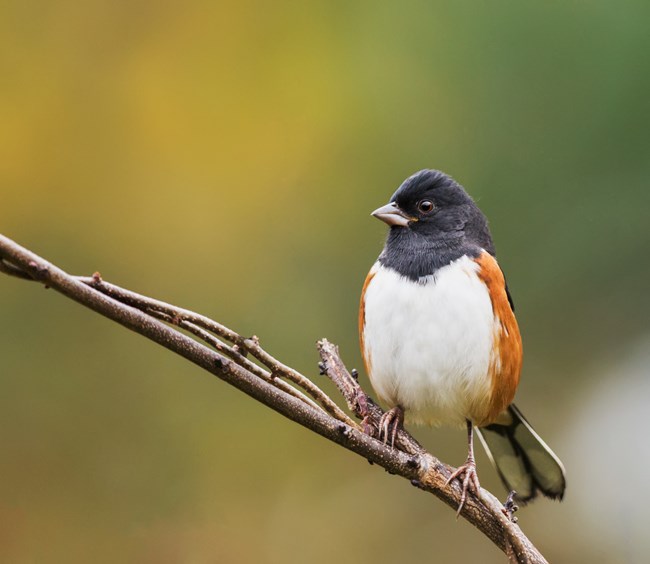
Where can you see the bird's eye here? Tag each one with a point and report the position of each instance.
(425, 206)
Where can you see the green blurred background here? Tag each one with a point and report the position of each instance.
(225, 157)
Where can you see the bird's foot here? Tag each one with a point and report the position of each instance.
(469, 480)
(509, 507)
(389, 424)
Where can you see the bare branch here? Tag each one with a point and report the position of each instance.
(167, 325)
(203, 327)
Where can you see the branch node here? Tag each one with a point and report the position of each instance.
(368, 428)
(355, 374)
(413, 462)
(361, 404)
(322, 368)
(509, 507)
(344, 430)
(241, 351)
(40, 271)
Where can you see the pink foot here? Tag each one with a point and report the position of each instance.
(389, 424)
(469, 480)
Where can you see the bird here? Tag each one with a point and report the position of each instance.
(439, 337)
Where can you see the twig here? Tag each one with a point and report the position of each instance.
(237, 357)
(358, 401)
(194, 321)
(147, 317)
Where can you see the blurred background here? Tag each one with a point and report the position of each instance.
(225, 157)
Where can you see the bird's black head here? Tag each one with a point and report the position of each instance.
(432, 216)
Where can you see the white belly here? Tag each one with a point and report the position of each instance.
(428, 344)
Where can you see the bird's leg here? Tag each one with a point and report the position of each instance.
(389, 424)
(467, 472)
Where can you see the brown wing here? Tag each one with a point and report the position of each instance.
(506, 361)
(362, 320)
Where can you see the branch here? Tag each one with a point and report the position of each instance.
(227, 355)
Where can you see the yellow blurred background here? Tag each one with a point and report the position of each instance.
(225, 157)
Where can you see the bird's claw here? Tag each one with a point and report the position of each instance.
(389, 425)
(469, 479)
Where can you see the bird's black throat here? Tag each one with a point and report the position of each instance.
(415, 255)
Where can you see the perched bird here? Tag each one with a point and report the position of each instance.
(439, 336)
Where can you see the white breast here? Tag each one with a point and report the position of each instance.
(428, 344)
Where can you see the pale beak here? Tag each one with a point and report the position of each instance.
(392, 215)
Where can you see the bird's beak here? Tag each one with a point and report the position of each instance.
(392, 215)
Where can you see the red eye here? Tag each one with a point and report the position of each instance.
(425, 206)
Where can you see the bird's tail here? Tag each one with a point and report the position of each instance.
(523, 460)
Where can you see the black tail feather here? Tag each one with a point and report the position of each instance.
(522, 459)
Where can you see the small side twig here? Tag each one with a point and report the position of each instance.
(358, 401)
(207, 328)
